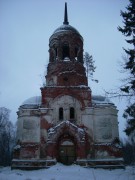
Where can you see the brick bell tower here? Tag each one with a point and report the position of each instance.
(66, 124)
(65, 72)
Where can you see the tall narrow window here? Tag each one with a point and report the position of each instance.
(72, 113)
(65, 51)
(56, 52)
(76, 52)
(61, 114)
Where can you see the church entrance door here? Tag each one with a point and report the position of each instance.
(67, 153)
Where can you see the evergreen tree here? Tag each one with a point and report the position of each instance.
(128, 88)
(128, 152)
(89, 65)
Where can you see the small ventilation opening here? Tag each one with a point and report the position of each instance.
(65, 79)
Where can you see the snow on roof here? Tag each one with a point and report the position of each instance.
(97, 99)
(66, 27)
(36, 100)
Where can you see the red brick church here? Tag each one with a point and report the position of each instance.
(67, 124)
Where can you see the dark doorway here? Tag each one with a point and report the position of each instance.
(67, 153)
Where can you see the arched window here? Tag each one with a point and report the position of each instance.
(76, 52)
(65, 51)
(56, 52)
(72, 113)
(61, 114)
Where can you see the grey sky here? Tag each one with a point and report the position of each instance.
(25, 28)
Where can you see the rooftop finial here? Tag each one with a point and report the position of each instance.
(65, 15)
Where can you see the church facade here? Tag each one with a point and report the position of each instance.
(67, 124)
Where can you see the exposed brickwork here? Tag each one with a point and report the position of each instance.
(111, 149)
(74, 41)
(64, 132)
(68, 74)
(66, 87)
(81, 94)
(44, 124)
(29, 150)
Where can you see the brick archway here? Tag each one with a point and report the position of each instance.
(62, 131)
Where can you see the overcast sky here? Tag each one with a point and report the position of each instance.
(25, 28)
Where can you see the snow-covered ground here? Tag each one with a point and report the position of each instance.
(74, 172)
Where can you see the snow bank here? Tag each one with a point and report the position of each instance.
(73, 172)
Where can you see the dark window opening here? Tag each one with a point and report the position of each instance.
(65, 51)
(65, 79)
(56, 52)
(72, 113)
(61, 114)
(76, 52)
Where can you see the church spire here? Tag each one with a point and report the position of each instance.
(65, 15)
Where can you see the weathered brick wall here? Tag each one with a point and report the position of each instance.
(81, 94)
(66, 74)
(74, 41)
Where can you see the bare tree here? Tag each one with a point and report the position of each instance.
(7, 136)
(89, 65)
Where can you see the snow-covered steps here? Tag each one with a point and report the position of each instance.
(32, 164)
(110, 163)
